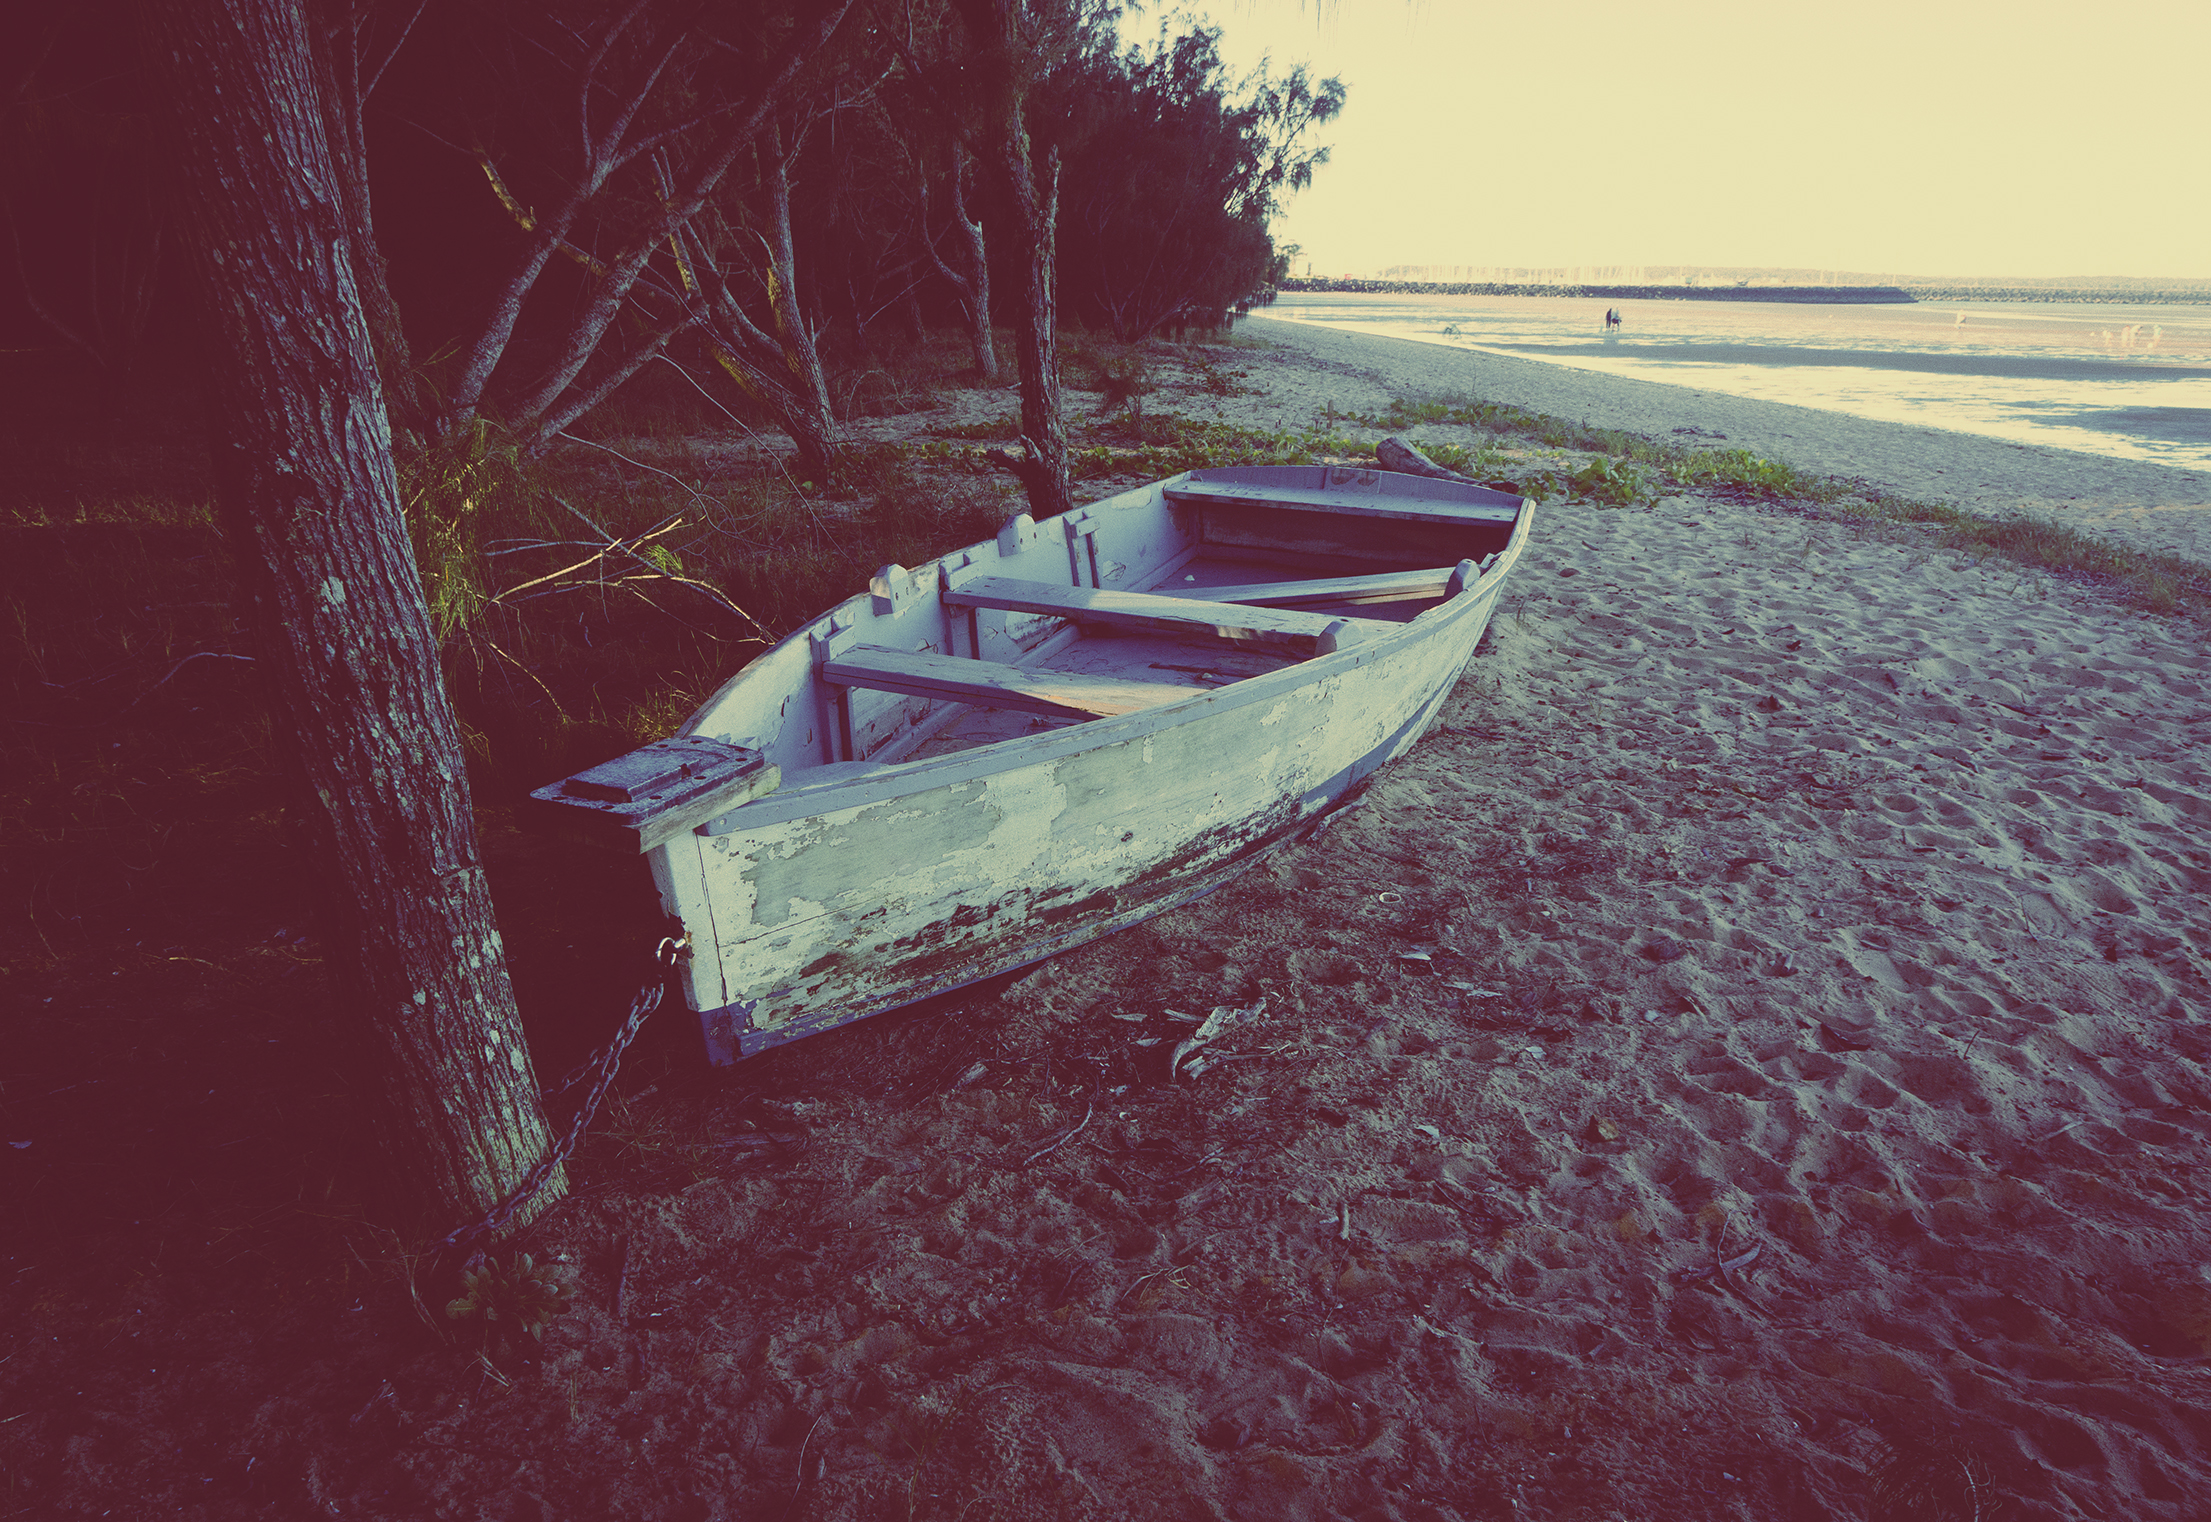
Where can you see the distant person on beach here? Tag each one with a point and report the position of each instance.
(1612, 317)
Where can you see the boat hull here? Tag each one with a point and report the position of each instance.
(1031, 744)
(897, 887)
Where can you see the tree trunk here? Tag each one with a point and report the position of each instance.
(1036, 328)
(997, 47)
(1395, 454)
(344, 96)
(973, 284)
(977, 287)
(420, 990)
(812, 424)
(781, 369)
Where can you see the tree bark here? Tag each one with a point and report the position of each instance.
(973, 285)
(1395, 454)
(813, 427)
(781, 369)
(998, 54)
(344, 97)
(1036, 329)
(421, 997)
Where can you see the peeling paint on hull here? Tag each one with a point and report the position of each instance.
(938, 964)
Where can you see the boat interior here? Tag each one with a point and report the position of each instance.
(1160, 594)
(1144, 600)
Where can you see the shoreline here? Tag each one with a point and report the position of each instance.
(2158, 508)
(1818, 295)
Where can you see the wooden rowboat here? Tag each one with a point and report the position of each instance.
(1031, 743)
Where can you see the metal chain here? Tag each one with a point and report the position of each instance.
(605, 1062)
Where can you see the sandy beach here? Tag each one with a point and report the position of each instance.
(1763, 1026)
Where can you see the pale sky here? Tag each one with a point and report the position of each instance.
(1925, 138)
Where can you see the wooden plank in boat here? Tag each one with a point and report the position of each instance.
(1301, 633)
(638, 801)
(987, 684)
(1354, 504)
(1380, 586)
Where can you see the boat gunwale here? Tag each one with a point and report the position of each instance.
(897, 779)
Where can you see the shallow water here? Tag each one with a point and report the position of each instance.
(2128, 382)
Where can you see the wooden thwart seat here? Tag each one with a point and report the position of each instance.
(1378, 586)
(987, 684)
(1296, 633)
(1450, 502)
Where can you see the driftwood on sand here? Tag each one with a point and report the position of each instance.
(1395, 454)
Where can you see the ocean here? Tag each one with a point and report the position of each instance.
(2128, 382)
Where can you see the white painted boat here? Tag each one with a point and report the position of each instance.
(1031, 743)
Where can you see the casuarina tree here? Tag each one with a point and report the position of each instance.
(419, 997)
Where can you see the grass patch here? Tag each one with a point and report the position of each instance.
(2154, 583)
(1150, 446)
(585, 602)
(1632, 467)
(1173, 444)
(1636, 467)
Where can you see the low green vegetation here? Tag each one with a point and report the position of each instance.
(1626, 468)
(2163, 584)
(1623, 469)
(507, 1302)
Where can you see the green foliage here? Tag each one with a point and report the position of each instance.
(2155, 583)
(1534, 427)
(1741, 469)
(1178, 444)
(471, 485)
(521, 1298)
(1124, 379)
(1631, 469)
(1173, 171)
(1620, 483)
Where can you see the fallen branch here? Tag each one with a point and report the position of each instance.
(197, 655)
(1090, 1108)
